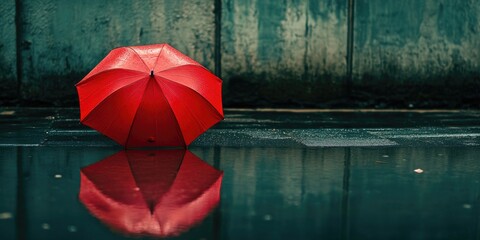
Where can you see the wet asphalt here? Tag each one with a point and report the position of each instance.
(266, 128)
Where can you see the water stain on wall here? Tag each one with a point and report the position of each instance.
(273, 53)
(286, 53)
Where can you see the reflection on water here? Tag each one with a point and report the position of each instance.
(152, 193)
(267, 193)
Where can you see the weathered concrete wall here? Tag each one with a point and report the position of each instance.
(283, 52)
(416, 50)
(272, 53)
(66, 39)
(8, 54)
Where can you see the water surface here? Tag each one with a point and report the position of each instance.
(266, 193)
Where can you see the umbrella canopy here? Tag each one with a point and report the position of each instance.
(151, 193)
(151, 95)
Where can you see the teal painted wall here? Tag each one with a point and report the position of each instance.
(8, 59)
(283, 52)
(422, 53)
(417, 50)
(63, 40)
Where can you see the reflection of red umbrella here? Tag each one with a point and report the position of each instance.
(156, 193)
(150, 95)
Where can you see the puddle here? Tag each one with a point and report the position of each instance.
(266, 193)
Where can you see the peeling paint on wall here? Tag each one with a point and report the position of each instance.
(414, 48)
(288, 52)
(272, 53)
(67, 39)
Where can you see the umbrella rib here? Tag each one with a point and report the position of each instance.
(109, 84)
(138, 55)
(84, 81)
(188, 109)
(135, 115)
(198, 94)
(179, 129)
(111, 124)
(109, 95)
(190, 65)
(158, 56)
(200, 124)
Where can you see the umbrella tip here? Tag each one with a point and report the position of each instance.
(151, 73)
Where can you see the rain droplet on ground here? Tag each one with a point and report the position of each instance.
(5, 215)
(418, 170)
(46, 226)
(72, 228)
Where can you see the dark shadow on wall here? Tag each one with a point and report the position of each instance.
(229, 35)
(456, 90)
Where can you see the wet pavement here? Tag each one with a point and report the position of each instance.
(264, 128)
(286, 175)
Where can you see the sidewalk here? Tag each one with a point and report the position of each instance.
(266, 128)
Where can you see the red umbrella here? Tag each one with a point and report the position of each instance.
(153, 193)
(150, 95)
